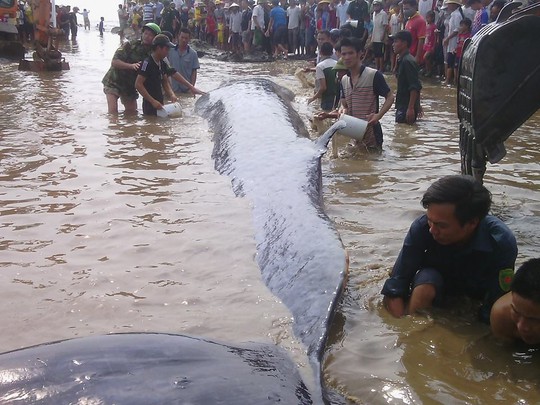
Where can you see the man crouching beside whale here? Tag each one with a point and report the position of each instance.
(455, 249)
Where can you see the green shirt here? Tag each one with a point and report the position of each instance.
(123, 80)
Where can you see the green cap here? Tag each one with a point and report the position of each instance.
(154, 27)
(339, 65)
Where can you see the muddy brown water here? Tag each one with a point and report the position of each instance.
(121, 224)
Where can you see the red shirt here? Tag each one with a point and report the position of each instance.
(429, 44)
(210, 24)
(417, 27)
(460, 42)
(333, 18)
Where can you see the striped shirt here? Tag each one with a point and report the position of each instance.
(362, 99)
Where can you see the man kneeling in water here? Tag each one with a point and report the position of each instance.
(516, 315)
(455, 249)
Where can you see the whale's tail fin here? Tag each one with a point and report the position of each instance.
(499, 78)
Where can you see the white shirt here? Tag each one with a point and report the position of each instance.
(453, 26)
(294, 17)
(341, 12)
(394, 24)
(321, 66)
(235, 22)
(424, 6)
(380, 22)
(469, 13)
(258, 14)
(319, 70)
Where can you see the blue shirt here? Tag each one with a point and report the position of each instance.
(280, 17)
(473, 270)
(184, 63)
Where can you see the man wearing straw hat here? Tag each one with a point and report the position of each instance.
(235, 27)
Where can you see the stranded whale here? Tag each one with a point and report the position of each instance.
(149, 369)
(262, 144)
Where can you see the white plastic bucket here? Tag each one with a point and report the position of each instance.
(356, 128)
(173, 110)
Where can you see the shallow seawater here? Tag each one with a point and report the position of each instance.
(123, 225)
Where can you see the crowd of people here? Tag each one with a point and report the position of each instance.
(407, 37)
(289, 27)
(66, 20)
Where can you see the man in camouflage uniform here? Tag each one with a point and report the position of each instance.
(119, 81)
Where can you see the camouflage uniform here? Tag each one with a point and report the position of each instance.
(121, 82)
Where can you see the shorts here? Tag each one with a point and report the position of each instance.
(236, 41)
(257, 37)
(431, 276)
(456, 65)
(378, 49)
(280, 35)
(451, 59)
(246, 37)
(123, 98)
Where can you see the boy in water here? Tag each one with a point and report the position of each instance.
(325, 78)
(153, 76)
(101, 29)
(516, 315)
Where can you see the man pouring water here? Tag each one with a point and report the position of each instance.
(362, 87)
